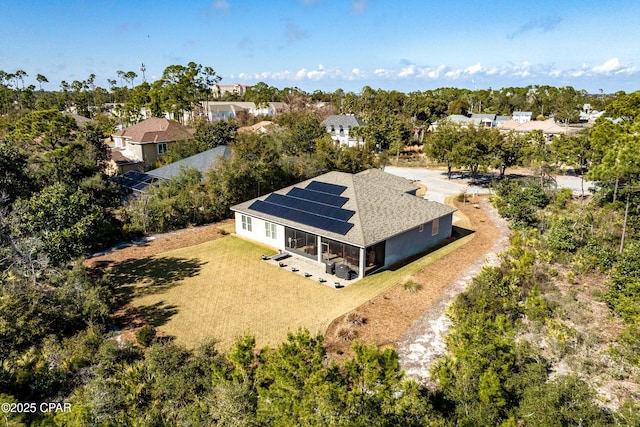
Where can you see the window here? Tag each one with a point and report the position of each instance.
(162, 147)
(246, 222)
(270, 230)
(435, 225)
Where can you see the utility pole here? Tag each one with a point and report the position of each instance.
(143, 69)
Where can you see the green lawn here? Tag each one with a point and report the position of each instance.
(222, 289)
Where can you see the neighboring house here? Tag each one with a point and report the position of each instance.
(362, 223)
(587, 115)
(220, 110)
(80, 120)
(475, 119)
(548, 127)
(339, 126)
(522, 116)
(500, 120)
(262, 127)
(459, 119)
(219, 90)
(138, 182)
(484, 120)
(139, 146)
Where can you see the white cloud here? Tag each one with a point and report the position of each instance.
(615, 67)
(454, 74)
(495, 75)
(434, 74)
(407, 71)
(474, 69)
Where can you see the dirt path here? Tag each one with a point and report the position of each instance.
(423, 343)
(411, 321)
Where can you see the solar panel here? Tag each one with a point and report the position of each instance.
(325, 187)
(302, 217)
(134, 180)
(309, 206)
(316, 196)
(140, 186)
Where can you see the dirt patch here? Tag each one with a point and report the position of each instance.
(390, 315)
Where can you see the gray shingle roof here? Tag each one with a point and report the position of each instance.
(344, 120)
(201, 161)
(381, 201)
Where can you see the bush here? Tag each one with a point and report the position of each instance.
(412, 286)
(146, 335)
(346, 334)
(355, 319)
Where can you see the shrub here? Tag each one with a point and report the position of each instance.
(346, 334)
(412, 286)
(355, 319)
(222, 231)
(146, 335)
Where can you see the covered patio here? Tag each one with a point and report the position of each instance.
(308, 268)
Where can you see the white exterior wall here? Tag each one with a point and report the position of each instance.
(258, 232)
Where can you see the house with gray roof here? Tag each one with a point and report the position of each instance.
(138, 182)
(360, 223)
(340, 125)
(202, 162)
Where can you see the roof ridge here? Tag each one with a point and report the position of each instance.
(356, 197)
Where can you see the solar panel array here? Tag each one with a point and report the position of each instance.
(135, 180)
(318, 205)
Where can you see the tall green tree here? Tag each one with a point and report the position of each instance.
(441, 145)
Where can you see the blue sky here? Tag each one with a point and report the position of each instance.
(324, 44)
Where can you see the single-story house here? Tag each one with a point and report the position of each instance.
(340, 125)
(139, 146)
(138, 182)
(548, 127)
(361, 222)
